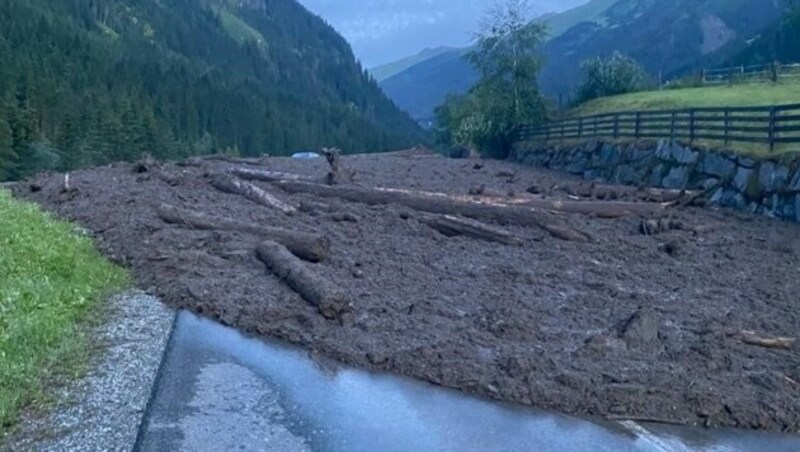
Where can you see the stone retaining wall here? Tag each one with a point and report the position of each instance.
(766, 186)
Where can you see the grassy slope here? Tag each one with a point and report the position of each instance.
(754, 94)
(738, 95)
(52, 282)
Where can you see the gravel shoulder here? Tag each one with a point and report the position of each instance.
(102, 410)
(629, 326)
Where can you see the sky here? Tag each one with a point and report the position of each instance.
(382, 31)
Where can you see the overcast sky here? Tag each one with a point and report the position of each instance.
(381, 31)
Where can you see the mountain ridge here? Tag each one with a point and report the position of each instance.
(89, 82)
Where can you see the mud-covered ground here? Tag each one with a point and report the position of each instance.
(627, 326)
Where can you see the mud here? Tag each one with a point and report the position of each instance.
(627, 326)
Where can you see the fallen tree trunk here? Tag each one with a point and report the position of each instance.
(236, 160)
(614, 192)
(750, 338)
(438, 203)
(229, 184)
(453, 226)
(318, 291)
(266, 175)
(311, 247)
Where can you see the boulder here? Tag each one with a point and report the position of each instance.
(672, 151)
(657, 175)
(716, 164)
(795, 185)
(742, 178)
(641, 330)
(746, 162)
(463, 152)
(677, 178)
(772, 177)
(797, 207)
(609, 155)
(729, 198)
(706, 183)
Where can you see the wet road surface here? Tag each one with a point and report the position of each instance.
(219, 390)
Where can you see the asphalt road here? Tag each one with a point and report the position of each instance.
(218, 390)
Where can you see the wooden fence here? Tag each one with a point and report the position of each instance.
(765, 72)
(771, 126)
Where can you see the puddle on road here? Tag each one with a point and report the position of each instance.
(220, 391)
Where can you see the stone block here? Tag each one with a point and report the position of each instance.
(742, 178)
(677, 178)
(772, 177)
(718, 165)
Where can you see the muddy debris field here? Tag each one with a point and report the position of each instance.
(514, 283)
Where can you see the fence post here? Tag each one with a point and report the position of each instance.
(616, 125)
(727, 127)
(776, 67)
(691, 125)
(772, 114)
(594, 121)
(547, 131)
(562, 130)
(580, 127)
(638, 124)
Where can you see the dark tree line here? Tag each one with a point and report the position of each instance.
(86, 82)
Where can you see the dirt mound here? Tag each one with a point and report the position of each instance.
(623, 324)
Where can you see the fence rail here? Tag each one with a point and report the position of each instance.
(769, 125)
(773, 72)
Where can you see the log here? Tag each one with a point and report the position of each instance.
(750, 338)
(229, 184)
(236, 160)
(311, 247)
(318, 291)
(440, 204)
(452, 226)
(266, 175)
(613, 192)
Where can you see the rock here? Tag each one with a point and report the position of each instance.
(742, 178)
(772, 177)
(726, 197)
(797, 208)
(641, 330)
(576, 168)
(591, 175)
(718, 165)
(746, 162)
(707, 183)
(462, 152)
(609, 155)
(677, 178)
(795, 185)
(657, 175)
(674, 152)
(643, 156)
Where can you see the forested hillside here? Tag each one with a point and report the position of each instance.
(86, 82)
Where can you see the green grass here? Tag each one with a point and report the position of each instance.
(737, 95)
(52, 284)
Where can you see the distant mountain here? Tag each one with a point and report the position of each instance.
(668, 37)
(87, 82)
(421, 87)
(672, 37)
(381, 73)
(781, 43)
